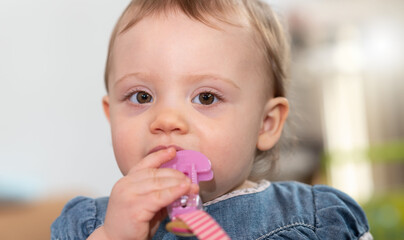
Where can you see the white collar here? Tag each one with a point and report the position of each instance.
(261, 186)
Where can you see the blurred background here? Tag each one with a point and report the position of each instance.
(346, 93)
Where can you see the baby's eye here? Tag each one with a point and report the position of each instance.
(205, 98)
(141, 97)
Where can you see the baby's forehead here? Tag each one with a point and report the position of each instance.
(177, 24)
(154, 30)
(163, 33)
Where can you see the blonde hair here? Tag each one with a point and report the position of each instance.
(270, 38)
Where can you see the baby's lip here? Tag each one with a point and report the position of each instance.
(161, 147)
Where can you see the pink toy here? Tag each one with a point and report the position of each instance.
(198, 168)
(186, 214)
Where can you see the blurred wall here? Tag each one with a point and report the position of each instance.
(346, 92)
(54, 138)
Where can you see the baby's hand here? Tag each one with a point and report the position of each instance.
(137, 200)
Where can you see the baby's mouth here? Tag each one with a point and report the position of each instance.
(161, 147)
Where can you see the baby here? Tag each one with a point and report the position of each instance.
(208, 76)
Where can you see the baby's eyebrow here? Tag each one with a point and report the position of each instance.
(199, 77)
(141, 75)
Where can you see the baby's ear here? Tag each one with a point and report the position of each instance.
(105, 105)
(275, 113)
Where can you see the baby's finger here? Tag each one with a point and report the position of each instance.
(158, 184)
(162, 198)
(194, 189)
(154, 173)
(155, 160)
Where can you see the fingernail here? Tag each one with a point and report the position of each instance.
(186, 183)
(171, 150)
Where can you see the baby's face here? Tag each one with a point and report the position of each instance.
(177, 82)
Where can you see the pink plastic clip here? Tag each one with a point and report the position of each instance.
(198, 168)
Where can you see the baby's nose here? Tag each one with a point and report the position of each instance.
(169, 121)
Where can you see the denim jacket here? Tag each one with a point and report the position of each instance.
(282, 210)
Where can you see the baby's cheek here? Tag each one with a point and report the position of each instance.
(122, 153)
(231, 171)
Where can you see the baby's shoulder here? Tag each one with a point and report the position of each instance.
(330, 213)
(317, 199)
(79, 218)
(290, 210)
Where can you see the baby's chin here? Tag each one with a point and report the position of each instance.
(210, 190)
